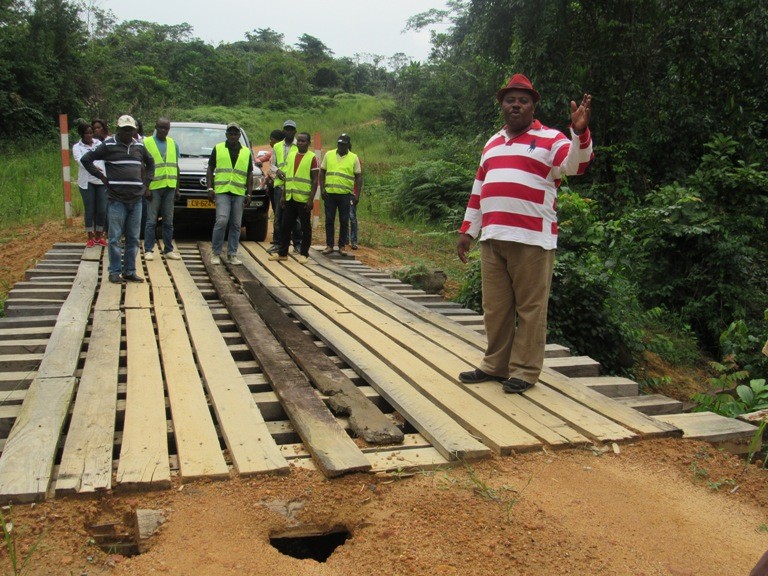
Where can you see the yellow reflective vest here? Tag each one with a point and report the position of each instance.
(166, 169)
(340, 173)
(228, 178)
(298, 183)
(281, 157)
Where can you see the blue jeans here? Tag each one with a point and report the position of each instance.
(229, 211)
(123, 219)
(352, 223)
(334, 202)
(162, 203)
(277, 225)
(94, 206)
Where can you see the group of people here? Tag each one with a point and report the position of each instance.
(295, 175)
(126, 179)
(120, 174)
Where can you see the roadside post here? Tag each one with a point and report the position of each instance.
(316, 203)
(64, 130)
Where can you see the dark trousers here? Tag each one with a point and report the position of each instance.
(277, 225)
(334, 202)
(294, 212)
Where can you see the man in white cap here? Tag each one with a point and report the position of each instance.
(278, 166)
(513, 203)
(129, 170)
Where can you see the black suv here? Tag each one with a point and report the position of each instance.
(196, 141)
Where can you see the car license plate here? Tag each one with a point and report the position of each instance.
(199, 203)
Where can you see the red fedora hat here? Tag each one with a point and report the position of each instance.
(518, 82)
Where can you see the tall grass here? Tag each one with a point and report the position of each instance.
(31, 187)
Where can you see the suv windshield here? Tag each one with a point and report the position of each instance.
(198, 141)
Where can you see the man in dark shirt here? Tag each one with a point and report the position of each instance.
(129, 169)
(231, 191)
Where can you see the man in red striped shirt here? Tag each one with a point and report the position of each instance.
(513, 203)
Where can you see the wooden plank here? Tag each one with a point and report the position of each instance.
(26, 464)
(29, 346)
(109, 294)
(27, 461)
(494, 430)
(574, 366)
(611, 386)
(137, 293)
(197, 442)
(93, 253)
(86, 463)
(251, 447)
(144, 451)
(345, 398)
(334, 452)
(9, 334)
(450, 439)
(632, 419)
(712, 428)
(652, 404)
(12, 381)
(13, 323)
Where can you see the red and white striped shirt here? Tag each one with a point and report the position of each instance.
(514, 196)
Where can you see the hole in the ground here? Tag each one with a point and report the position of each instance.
(310, 543)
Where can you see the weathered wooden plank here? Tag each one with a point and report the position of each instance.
(137, 293)
(197, 443)
(494, 429)
(10, 334)
(92, 254)
(86, 463)
(652, 404)
(632, 419)
(20, 347)
(611, 386)
(144, 451)
(27, 461)
(45, 294)
(252, 448)
(35, 321)
(712, 428)
(345, 398)
(334, 452)
(109, 294)
(574, 366)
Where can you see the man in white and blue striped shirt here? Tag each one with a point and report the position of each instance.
(129, 169)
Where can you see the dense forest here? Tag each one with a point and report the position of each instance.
(663, 243)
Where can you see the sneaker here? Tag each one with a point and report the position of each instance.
(476, 376)
(101, 242)
(173, 256)
(115, 279)
(234, 260)
(149, 256)
(328, 250)
(342, 251)
(296, 249)
(354, 246)
(301, 259)
(91, 243)
(215, 259)
(273, 249)
(133, 277)
(277, 257)
(515, 386)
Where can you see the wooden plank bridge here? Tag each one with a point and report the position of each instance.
(207, 371)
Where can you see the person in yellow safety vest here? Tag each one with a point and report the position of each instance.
(340, 175)
(280, 153)
(164, 189)
(300, 175)
(230, 169)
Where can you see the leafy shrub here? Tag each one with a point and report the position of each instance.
(436, 191)
(471, 289)
(748, 398)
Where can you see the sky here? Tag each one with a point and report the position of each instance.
(346, 28)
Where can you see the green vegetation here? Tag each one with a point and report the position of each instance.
(19, 564)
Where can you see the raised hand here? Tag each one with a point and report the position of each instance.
(580, 115)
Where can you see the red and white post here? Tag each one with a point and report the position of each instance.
(64, 130)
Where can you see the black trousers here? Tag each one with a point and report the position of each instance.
(293, 211)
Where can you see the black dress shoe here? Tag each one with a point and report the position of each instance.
(475, 376)
(133, 277)
(516, 386)
(115, 279)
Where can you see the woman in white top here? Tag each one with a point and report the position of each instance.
(93, 191)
